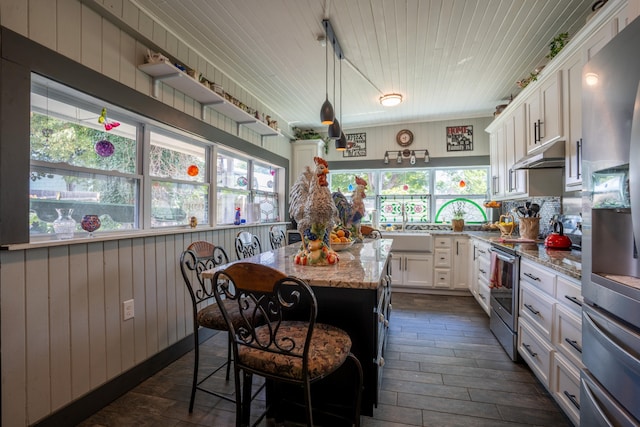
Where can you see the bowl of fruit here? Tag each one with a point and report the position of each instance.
(340, 239)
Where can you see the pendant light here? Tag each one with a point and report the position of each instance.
(334, 128)
(341, 143)
(326, 112)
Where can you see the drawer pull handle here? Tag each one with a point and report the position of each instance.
(380, 317)
(573, 300)
(531, 309)
(482, 271)
(531, 276)
(572, 398)
(528, 348)
(481, 251)
(381, 362)
(386, 323)
(574, 344)
(482, 297)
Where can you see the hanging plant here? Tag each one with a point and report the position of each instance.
(557, 44)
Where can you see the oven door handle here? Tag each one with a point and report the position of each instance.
(506, 258)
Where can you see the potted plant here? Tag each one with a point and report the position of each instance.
(458, 210)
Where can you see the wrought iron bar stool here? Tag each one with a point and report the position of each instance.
(200, 256)
(247, 245)
(276, 237)
(267, 344)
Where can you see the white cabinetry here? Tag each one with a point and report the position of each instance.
(498, 162)
(480, 259)
(412, 269)
(550, 332)
(544, 108)
(515, 149)
(303, 152)
(460, 263)
(450, 262)
(573, 121)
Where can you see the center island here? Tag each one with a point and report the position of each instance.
(354, 295)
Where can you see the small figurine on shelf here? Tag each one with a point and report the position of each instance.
(193, 222)
(237, 220)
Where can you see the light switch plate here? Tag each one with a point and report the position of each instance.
(128, 311)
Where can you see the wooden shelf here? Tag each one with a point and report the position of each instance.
(181, 81)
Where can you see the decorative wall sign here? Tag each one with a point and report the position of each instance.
(460, 138)
(356, 145)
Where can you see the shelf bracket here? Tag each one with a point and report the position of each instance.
(157, 80)
(208, 104)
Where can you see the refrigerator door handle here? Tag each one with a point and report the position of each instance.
(634, 173)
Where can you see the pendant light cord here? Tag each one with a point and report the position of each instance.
(334, 69)
(326, 62)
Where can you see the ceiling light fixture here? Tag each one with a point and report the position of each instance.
(326, 112)
(391, 99)
(334, 128)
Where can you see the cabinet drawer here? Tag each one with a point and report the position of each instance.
(483, 295)
(538, 276)
(442, 258)
(484, 268)
(568, 334)
(537, 308)
(569, 294)
(442, 277)
(535, 351)
(566, 387)
(441, 242)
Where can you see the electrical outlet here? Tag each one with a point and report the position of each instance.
(128, 311)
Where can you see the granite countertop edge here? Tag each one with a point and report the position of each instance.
(563, 261)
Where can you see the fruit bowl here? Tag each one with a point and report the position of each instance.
(341, 246)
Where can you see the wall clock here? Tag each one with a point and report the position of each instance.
(404, 138)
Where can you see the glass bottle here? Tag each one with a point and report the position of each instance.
(64, 226)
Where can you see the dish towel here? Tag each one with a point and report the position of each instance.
(495, 279)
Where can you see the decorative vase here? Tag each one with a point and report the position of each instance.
(457, 224)
(64, 225)
(90, 223)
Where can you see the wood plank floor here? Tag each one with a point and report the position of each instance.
(443, 368)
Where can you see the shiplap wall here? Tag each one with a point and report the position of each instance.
(61, 323)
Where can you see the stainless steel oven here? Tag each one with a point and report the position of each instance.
(505, 271)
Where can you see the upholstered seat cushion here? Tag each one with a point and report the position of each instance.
(211, 316)
(328, 350)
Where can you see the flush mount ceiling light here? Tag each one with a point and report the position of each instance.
(391, 99)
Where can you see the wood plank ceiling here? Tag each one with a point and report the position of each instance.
(448, 58)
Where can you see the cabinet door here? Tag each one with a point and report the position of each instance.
(419, 270)
(460, 263)
(597, 41)
(303, 154)
(573, 122)
(497, 154)
(397, 262)
(515, 149)
(545, 113)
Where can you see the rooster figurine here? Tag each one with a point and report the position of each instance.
(350, 214)
(313, 209)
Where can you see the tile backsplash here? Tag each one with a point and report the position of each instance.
(549, 206)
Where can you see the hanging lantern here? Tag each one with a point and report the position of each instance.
(193, 170)
(104, 148)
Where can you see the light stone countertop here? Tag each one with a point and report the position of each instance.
(361, 266)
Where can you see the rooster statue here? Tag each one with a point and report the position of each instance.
(350, 214)
(313, 209)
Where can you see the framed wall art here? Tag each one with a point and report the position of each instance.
(356, 145)
(460, 138)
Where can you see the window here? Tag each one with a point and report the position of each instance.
(232, 185)
(417, 196)
(179, 181)
(264, 193)
(77, 164)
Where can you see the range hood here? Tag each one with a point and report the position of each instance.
(550, 156)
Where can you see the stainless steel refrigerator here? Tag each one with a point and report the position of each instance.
(610, 381)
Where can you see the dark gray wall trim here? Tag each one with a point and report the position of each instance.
(39, 59)
(77, 411)
(436, 162)
(15, 85)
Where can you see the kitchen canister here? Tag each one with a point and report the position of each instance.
(529, 228)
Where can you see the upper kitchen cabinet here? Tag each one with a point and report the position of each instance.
(572, 70)
(303, 152)
(544, 108)
(498, 164)
(515, 149)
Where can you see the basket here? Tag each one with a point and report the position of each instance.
(506, 225)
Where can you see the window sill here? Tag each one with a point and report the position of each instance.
(46, 242)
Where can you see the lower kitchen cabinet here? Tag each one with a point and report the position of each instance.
(550, 332)
(479, 260)
(412, 269)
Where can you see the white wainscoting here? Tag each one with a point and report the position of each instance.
(61, 324)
